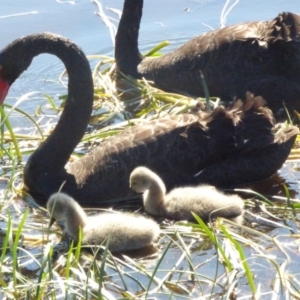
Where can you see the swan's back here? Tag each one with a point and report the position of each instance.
(175, 147)
(206, 201)
(178, 147)
(261, 57)
(126, 231)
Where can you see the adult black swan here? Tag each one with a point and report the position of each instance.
(260, 57)
(175, 147)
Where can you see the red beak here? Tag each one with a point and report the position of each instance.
(4, 87)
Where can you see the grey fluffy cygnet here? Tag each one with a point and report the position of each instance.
(127, 231)
(204, 200)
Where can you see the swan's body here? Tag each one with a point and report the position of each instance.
(205, 200)
(127, 231)
(260, 57)
(241, 141)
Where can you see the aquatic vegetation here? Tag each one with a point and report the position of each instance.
(258, 260)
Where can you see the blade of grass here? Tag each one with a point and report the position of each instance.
(157, 48)
(15, 248)
(157, 268)
(28, 116)
(46, 261)
(6, 241)
(13, 137)
(214, 240)
(102, 268)
(260, 196)
(249, 275)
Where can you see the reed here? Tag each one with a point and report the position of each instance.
(221, 260)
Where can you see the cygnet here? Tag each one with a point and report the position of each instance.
(127, 231)
(204, 200)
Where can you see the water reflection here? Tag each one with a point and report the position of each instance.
(273, 187)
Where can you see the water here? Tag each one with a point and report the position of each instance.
(173, 20)
(80, 23)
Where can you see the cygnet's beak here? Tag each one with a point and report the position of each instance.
(52, 220)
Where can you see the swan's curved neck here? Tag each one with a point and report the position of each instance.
(76, 218)
(154, 197)
(45, 168)
(127, 54)
(73, 122)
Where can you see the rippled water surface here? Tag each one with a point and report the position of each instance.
(173, 20)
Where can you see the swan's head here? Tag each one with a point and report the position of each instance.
(18, 55)
(58, 206)
(62, 207)
(14, 60)
(140, 179)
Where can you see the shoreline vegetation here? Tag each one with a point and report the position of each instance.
(224, 260)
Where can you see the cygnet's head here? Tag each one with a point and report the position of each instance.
(140, 179)
(61, 207)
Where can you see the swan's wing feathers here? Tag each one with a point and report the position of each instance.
(256, 161)
(286, 133)
(257, 119)
(162, 143)
(285, 27)
(261, 57)
(174, 147)
(178, 147)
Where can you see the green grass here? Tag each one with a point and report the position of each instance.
(256, 260)
(192, 260)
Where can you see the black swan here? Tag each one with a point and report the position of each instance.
(241, 140)
(127, 231)
(260, 57)
(204, 200)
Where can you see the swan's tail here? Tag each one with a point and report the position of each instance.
(262, 147)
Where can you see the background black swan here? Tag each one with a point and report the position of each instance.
(260, 57)
(175, 147)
